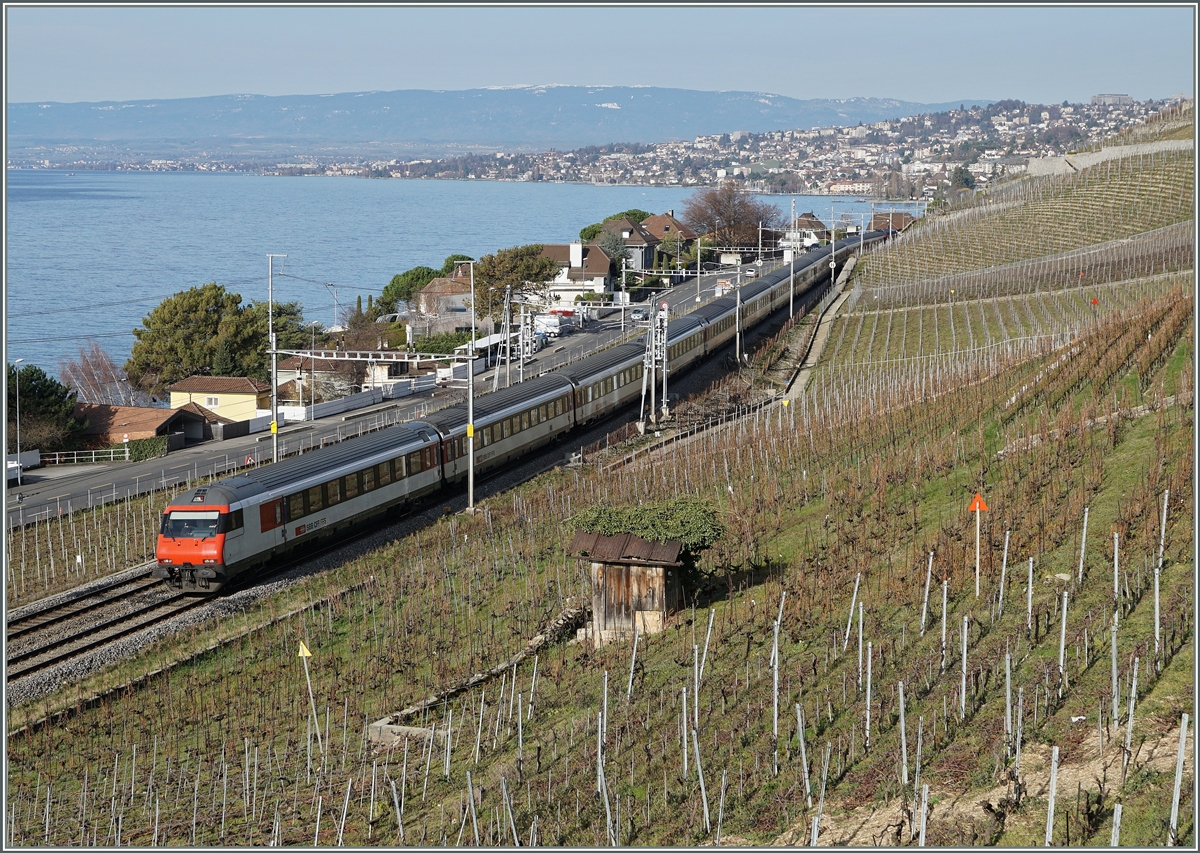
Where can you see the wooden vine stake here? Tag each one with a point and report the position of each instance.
(944, 588)
(1173, 828)
(1083, 544)
(1062, 649)
(924, 811)
(850, 618)
(803, 756)
(700, 775)
(1129, 721)
(1053, 787)
(903, 741)
(816, 826)
(962, 699)
(1029, 602)
(925, 602)
(1115, 699)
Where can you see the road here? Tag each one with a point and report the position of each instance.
(57, 490)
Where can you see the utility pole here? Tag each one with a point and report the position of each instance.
(791, 232)
(832, 248)
(274, 356)
(471, 403)
(664, 318)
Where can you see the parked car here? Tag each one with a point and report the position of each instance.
(751, 272)
(639, 315)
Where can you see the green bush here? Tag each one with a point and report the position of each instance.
(141, 449)
(687, 520)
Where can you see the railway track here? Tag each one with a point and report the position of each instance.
(73, 628)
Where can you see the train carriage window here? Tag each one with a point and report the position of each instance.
(315, 501)
(542, 415)
(505, 428)
(368, 478)
(430, 458)
(385, 472)
(414, 463)
(333, 492)
(350, 485)
(231, 522)
(524, 420)
(398, 464)
(295, 506)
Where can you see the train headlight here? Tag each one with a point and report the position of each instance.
(164, 562)
(210, 562)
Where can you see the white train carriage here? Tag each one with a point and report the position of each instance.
(685, 342)
(269, 511)
(508, 423)
(607, 381)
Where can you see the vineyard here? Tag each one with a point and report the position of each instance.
(848, 672)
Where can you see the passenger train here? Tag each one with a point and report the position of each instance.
(220, 531)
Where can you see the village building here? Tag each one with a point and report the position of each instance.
(235, 397)
(582, 269)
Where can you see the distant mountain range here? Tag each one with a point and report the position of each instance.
(436, 122)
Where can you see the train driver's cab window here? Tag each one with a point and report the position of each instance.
(190, 523)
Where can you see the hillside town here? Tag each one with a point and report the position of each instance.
(909, 157)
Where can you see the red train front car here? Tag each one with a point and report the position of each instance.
(191, 541)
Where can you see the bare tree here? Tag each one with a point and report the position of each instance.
(730, 213)
(97, 379)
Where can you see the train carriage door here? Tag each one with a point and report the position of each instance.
(270, 514)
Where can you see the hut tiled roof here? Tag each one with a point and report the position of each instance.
(625, 548)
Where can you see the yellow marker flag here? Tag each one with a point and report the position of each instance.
(304, 652)
(470, 430)
(274, 427)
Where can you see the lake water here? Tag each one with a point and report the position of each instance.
(89, 254)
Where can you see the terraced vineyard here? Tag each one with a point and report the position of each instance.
(847, 673)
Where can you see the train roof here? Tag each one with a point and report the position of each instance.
(683, 326)
(602, 363)
(392, 440)
(716, 308)
(524, 393)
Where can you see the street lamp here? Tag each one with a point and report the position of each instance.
(312, 371)
(17, 377)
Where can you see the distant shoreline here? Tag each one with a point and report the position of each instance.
(275, 174)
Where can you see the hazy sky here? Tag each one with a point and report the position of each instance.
(923, 54)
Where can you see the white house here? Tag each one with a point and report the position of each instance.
(582, 268)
